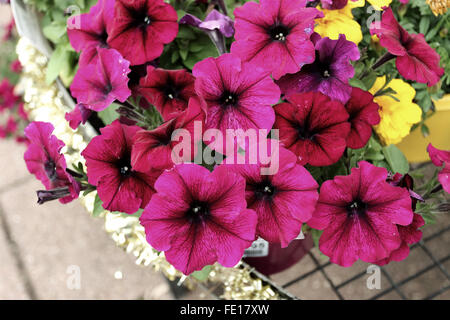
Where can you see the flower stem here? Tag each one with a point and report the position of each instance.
(222, 6)
(385, 58)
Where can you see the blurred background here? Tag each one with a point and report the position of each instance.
(56, 252)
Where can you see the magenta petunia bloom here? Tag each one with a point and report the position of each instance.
(359, 214)
(89, 31)
(282, 201)
(409, 234)
(238, 94)
(364, 114)
(329, 73)
(199, 217)
(168, 90)
(441, 158)
(44, 159)
(314, 127)
(8, 99)
(141, 28)
(333, 4)
(80, 114)
(154, 149)
(16, 66)
(416, 60)
(108, 162)
(98, 85)
(275, 35)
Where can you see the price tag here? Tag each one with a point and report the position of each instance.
(259, 248)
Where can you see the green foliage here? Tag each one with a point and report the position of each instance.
(63, 62)
(98, 209)
(396, 159)
(109, 114)
(203, 274)
(190, 46)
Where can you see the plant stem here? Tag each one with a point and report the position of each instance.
(385, 58)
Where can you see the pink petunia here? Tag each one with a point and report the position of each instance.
(199, 217)
(11, 125)
(275, 35)
(329, 73)
(359, 214)
(238, 94)
(416, 60)
(155, 149)
(283, 200)
(314, 127)
(364, 114)
(441, 158)
(108, 162)
(168, 90)
(80, 114)
(141, 28)
(8, 99)
(409, 234)
(16, 66)
(98, 85)
(89, 31)
(44, 159)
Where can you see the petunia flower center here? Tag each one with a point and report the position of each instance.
(103, 38)
(50, 169)
(265, 189)
(304, 133)
(198, 212)
(357, 207)
(170, 92)
(147, 20)
(228, 99)
(278, 32)
(124, 166)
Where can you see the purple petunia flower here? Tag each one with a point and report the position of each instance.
(329, 73)
(216, 26)
(213, 21)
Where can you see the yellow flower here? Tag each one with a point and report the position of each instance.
(340, 21)
(397, 117)
(379, 4)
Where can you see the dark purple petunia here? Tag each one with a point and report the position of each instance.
(329, 73)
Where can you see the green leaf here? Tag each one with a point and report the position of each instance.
(396, 159)
(109, 114)
(424, 25)
(203, 274)
(55, 31)
(355, 82)
(57, 63)
(425, 131)
(98, 209)
(315, 234)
